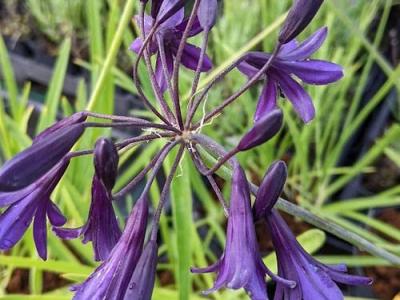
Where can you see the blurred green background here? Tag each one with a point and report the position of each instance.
(62, 56)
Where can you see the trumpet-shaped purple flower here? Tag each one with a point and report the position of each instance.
(314, 279)
(241, 265)
(111, 279)
(31, 203)
(169, 34)
(292, 60)
(102, 227)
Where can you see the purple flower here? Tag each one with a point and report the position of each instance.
(300, 15)
(142, 281)
(31, 203)
(32, 163)
(170, 34)
(292, 60)
(314, 279)
(263, 130)
(102, 227)
(207, 14)
(111, 279)
(241, 265)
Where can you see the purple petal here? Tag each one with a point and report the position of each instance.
(171, 13)
(40, 229)
(296, 94)
(287, 48)
(306, 48)
(191, 56)
(159, 72)
(136, 45)
(270, 189)
(16, 219)
(268, 99)
(263, 130)
(8, 198)
(247, 69)
(313, 71)
(68, 233)
(195, 30)
(54, 214)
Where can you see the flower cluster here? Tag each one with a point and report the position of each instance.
(129, 256)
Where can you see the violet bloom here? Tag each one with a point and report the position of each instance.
(170, 34)
(111, 279)
(102, 227)
(31, 203)
(314, 279)
(241, 265)
(292, 60)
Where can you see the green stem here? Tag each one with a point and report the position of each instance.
(112, 53)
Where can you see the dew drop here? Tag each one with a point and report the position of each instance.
(132, 285)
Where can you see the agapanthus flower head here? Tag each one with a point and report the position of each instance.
(102, 227)
(111, 279)
(300, 15)
(32, 163)
(169, 34)
(293, 60)
(263, 130)
(314, 279)
(31, 203)
(241, 265)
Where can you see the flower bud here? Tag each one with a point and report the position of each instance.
(300, 15)
(32, 163)
(207, 13)
(270, 188)
(76, 118)
(263, 130)
(106, 162)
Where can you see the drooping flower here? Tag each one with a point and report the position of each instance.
(293, 60)
(170, 34)
(207, 14)
(31, 203)
(35, 161)
(102, 227)
(300, 15)
(314, 279)
(241, 265)
(111, 279)
(263, 130)
(142, 281)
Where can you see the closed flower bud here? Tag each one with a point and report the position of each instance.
(106, 162)
(300, 15)
(207, 13)
(76, 118)
(263, 130)
(270, 188)
(32, 163)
